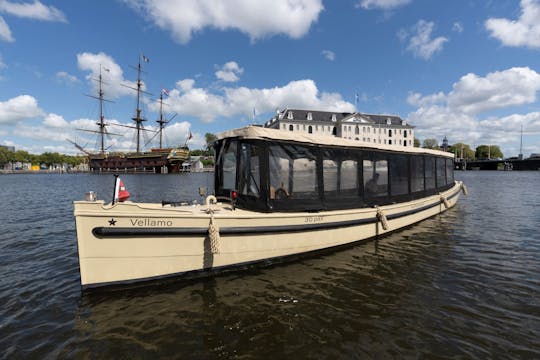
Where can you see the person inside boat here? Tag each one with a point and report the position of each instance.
(372, 186)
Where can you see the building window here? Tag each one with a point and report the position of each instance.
(309, 116)
(356, 130)
(390, 132)
(310, 130)
(334, 119)
(334, 131)
(290, 115)
(284, 126)
(390, 142)
(297, 127)
(405, 134)
(291, 128)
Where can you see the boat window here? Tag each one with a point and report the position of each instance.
(417, 173)
(399, 174)
(330, 176)
(449, 171)
(228, 166)
(430, 172)
(375, 178)
(441, 172)
(293, 172)
(349, 176)
(249, 181)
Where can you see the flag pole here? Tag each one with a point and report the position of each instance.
(114, 189)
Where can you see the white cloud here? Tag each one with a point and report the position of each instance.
(19, 108)
(328, 54)
(2, 64)
(382, 4)
(522, 32)
(420, 42)
(458, 114)
(55, 121)
(229, 72)
(189, 100)
(257, 19)
(114, 84)
(176, 134)
(65, 78)
(35, 10)
(457, 27)
(500, 89)
(5, 31)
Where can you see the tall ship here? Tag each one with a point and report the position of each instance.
(156, 160)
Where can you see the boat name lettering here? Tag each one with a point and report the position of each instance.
(150, 222)
(313, 219)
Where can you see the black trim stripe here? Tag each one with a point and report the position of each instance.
(105, 232)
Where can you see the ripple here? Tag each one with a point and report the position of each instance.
(464, 284)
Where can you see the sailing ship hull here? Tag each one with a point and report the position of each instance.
(156, 161)
(132, 242)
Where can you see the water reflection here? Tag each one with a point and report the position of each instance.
(285, 308)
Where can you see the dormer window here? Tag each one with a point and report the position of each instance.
(388, 121)
(290, 115)
(403, 122)
(309, 116)
(334, 118)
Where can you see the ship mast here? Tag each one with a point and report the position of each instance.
(101, 122)
(138, 119)
(161, 122)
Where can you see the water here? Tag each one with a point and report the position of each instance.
(465, 284)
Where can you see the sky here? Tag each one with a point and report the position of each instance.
(464, 69)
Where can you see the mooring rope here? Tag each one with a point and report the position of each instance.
(382, 218)
(213, 228)
(445, 202)
(213, 234)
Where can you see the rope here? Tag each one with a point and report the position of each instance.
(213, 234)
(445, 202)
(464, 189)
(382, 218)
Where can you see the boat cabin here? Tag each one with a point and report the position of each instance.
(271, 170)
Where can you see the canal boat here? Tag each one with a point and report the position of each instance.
(277, 195)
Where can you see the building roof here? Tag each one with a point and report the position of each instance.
(327, 116)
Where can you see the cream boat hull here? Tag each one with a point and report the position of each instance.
(129, 242)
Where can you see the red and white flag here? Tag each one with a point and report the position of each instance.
(120, 192)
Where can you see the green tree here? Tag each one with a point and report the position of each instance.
(430, 144)
(416, 142)
(5, 156)
(210, 139)
(462, 150)
(484, 152)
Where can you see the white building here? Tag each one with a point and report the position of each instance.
(368, 128)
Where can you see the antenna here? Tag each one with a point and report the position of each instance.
(521, 144)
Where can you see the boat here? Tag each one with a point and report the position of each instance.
(277, 195)
(157, 160)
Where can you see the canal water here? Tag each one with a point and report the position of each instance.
(464, 284)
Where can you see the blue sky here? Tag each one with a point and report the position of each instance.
(465, 69)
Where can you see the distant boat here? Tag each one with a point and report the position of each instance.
(157, 160)
(276, 195)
